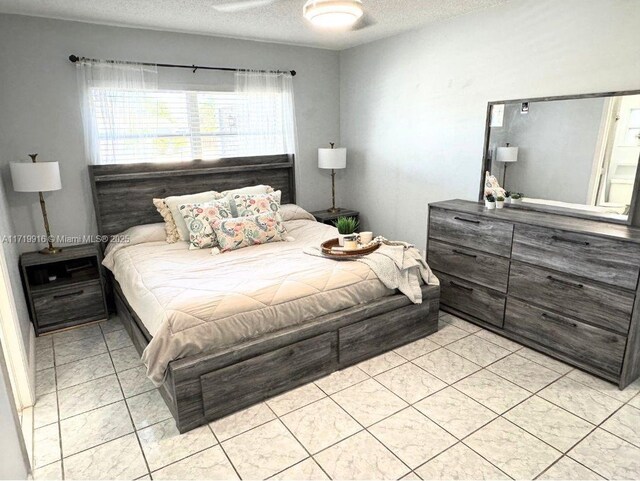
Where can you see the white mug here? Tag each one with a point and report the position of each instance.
(366, 237)
(350, 244)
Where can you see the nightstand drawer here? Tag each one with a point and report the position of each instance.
(84, 301)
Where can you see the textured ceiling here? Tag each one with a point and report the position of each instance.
(280, 21)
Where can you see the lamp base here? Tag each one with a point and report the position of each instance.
(51, 250)
(334, 210)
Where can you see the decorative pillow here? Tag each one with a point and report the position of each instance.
(491, 185)
(239, 232)
(251, 204)
(169, 225)
(174, 203)
(198, 219)
(253, 189)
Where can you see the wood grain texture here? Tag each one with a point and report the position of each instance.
(123, 193)
(606, 260)
(631, 364)
(471, 231)
(543, 219)
(591, 345)
(471, 265)
(261, 377)
(364, 339)
(69, 303)
(593, 303)
(481, 302)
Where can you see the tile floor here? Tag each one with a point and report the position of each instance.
(460, 404)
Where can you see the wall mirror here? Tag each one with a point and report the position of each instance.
(573, 155)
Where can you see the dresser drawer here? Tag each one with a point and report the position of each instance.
(479, 267)
(588, 344)
(607, 307)
(477, 301)
(472, 231)
(606, 260)
(84, 302)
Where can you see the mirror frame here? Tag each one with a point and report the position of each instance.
(634, 208)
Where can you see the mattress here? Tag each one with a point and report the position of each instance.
(193, 302)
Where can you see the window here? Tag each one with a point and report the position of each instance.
(181, 125)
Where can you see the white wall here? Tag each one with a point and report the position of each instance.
(413, 106)
(39, 107)
(11, 254)
(14, 463)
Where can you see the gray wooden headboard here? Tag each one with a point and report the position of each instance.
(123, 193)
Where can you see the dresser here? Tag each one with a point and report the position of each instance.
(567, 287)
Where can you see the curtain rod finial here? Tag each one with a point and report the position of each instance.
(73, 58)
(293, 73)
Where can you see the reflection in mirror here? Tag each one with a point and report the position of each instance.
(579, 153)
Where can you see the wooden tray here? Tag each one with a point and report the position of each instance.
(328, 245)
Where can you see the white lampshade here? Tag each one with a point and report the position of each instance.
(507, 154)
(332, 158)
(35, 176)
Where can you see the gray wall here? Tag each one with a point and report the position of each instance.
(413, 106)
(39, 106)
(557, 143)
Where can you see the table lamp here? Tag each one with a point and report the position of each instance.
(506, 154)
(38, 177)
(332, 159)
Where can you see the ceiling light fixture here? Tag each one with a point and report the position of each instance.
(333, 13)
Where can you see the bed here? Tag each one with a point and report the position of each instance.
(295, 328)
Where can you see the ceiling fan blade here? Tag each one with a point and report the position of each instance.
(239, 6)
(364, 22)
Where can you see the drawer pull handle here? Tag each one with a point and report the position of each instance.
(558, 320)
(567, 283)
(455, 284)
(70, 294)
(462, 219)
(570, 241)
(456, 251)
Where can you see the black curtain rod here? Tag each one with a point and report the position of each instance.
(75, 58)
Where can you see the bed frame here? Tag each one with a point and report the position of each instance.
(201, 388)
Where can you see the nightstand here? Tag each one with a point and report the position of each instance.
(330, 218)
(64, 289)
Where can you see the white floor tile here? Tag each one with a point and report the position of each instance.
(242, 421)
(295, 399)
(369, 402)
(492, 391)
(446, 365)
(211, 463)
(608, 455)
(460, 463)
(410, 382)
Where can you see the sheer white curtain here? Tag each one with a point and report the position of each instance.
(265, 119)
(108, 121)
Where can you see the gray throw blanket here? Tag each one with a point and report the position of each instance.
(397, 264)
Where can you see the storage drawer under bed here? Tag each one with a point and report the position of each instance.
(261, 377)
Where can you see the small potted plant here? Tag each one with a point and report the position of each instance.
(516, 197)
(507, 197)
(490, 201)
(346, 228)
(499, 202)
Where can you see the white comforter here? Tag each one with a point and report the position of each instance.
(192, 301)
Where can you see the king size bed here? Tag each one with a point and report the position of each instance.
(221, 332)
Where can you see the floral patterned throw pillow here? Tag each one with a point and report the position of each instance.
(252, 204)
(239, 232)
(199, 217)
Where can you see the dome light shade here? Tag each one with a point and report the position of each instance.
(333, 13)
